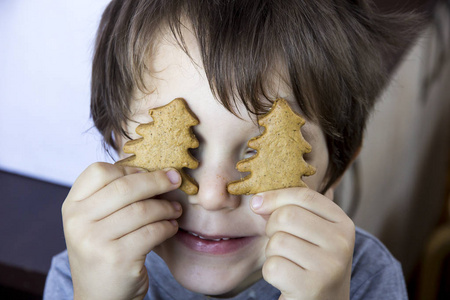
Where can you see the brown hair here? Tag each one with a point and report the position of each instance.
(334, 53)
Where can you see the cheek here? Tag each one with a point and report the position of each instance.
(319, 159)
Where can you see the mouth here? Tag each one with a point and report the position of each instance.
(212, 244)
(215, 239)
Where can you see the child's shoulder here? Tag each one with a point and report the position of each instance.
(366, 243)
(375, 271)
(59, 281)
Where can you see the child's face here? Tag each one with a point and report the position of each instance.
(214, 265)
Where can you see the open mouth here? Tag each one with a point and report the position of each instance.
(211, 244)
(207, 238)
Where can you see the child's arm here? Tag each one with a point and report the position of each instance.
(309, 254)
(111, 223)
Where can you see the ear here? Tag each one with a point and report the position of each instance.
(330, 192)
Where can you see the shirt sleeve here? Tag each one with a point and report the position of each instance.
(59, 280)
(386, 284)
(376, 274)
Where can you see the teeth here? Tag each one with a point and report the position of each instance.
(203, 238)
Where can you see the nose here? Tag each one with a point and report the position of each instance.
(212, 178)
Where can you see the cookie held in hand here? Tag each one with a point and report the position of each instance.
(279, 161)
(165, 143)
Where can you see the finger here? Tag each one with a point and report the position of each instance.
(146, 238)
(137, 215)
(95, 177)
(300, 252)
(302, 224)
(284, 275)
(128, 189)
(266, 203)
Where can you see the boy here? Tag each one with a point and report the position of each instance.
(132, 235)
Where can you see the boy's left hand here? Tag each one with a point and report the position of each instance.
(310, 248)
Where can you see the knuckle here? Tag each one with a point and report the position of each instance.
(138, 209)
(169, 208)
(65, 209)
(99, 169)
(157, 180)
(270, 269)
(78, 234)
(158, 232)
(308, 196)
(344, 248)
(155, 175)
(160, 178)
(152, 231)
(70, 223)
(350, 227)
(346, 237)
(277, 241)
(122, 186)
(284, 215)
(86, 245)
(114, 256)
(71, 229)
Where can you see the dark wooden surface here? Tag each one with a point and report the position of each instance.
(30, 231)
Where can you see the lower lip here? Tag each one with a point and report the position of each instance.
(212, 247)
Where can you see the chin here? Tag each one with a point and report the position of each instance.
(214, 275)
(211, 287)
(217, 284)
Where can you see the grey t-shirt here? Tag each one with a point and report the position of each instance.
(375, 275)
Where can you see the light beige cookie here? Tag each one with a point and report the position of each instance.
(279, 161)
(165, 142)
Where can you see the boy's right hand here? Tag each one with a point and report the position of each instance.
(111, 223)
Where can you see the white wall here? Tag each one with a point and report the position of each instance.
(46, 50)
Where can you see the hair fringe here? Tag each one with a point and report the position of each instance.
(335, 55)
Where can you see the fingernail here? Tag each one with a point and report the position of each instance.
(174, 222)
(173, 176)
(176, 205)
(257, 202)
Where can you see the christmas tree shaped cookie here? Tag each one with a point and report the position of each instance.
(279, 161)
(165, 142)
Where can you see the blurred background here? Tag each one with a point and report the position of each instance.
(46, 134)
(398, 189)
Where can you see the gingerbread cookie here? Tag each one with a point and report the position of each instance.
(165, 142)
(279, 161)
